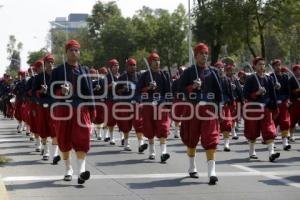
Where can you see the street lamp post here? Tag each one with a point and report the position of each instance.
(190, 33)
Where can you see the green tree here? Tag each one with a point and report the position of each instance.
(13, 49)
(36, 55)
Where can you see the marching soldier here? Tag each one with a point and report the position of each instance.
(126, 88)
(45, 123)
(283, 101)
(202, 87)
(261, 100)
(294, 84)
(154, 86)
(112, 78)
(71, 82)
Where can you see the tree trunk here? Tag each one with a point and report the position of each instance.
(215, 51)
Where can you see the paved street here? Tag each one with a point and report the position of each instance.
(117, 174)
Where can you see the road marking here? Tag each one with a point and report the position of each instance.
(3, 191)
(152, 176)
(272, 175)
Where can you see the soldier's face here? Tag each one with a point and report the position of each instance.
(131, 68)
(73, 54)
(297, 73)
(115, 69)
(155, 64)
(49, 66)
(201, 57)
(260, 66)
(229, 72)
(277, 68)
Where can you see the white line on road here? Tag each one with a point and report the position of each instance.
(153, 176)
(272, 175)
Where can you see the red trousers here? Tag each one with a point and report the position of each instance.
(153, 124)
(194, 129)
(295, 113)
(135, 118)
(283, 119)
(178, 110)
(111, 121)
(226, 121)
(45, 125)
(33, 117)
(26, 112)
(256, 127)
(70, 133)
(18, 110)
(100, 113)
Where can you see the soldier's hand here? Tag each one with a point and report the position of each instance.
(261, 91)
(97, 88)
(197, 84)
(152, 85)
(65, 89)
(44, 88)
(277, 86)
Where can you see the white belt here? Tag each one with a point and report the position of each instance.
(279, 102)
(202, 103)
(45, 105)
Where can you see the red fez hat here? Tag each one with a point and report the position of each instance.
(284, 69)
(72, 44)
(200, 48)
(131, 61)
(49, 58)
(103, 70)
(256, 60)
(38, 64)
(21, 73)
(241, 73)
(113, 62)
(153, 56)
(296, 67)
(93, 71)
(275, 62)
(219, 64)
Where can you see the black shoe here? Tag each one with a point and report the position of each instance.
(274, 156)
(112, 143)
(226, 149)
(56, 159)
(45, 158)
(287, 147)
(18, 131)
(142, 148)
(31, 139)
(253, 157)
(99, 138)
(194, 175)
(176, 136)
(122, 142)
(27, 134)
(213, 180)
(84, 176)
(68, 178)
(164, 157)
(235, 137)
(107, 139)
(151, 157)
(37, 150)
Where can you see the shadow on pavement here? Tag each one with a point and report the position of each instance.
(164, 183)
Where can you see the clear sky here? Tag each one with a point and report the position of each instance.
(29, 20)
